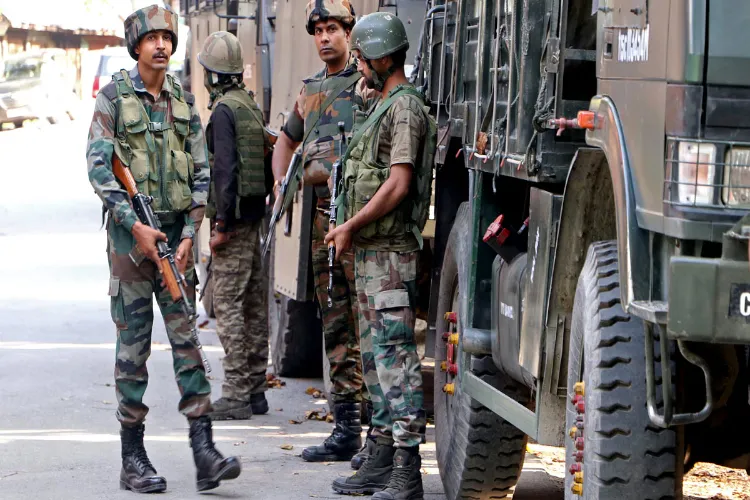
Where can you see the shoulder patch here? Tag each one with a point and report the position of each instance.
(189, 98)
(110, 91)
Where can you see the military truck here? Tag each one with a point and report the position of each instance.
(591, 285)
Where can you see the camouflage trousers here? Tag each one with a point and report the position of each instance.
(386, 291)
(131, 288)
(340, 328)
(241, 317)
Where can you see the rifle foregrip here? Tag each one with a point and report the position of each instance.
(170, 279)
(124, 175)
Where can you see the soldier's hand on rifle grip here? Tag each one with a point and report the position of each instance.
(341, 237)
(146, 238)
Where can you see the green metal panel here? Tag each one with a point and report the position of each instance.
(704, 300)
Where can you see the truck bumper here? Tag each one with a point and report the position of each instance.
(709, 300)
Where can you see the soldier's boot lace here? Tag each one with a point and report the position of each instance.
(406, 479)
(368, 448)
(373, 475)
(231, 409)
(345, 439)
(138, 474)
(211, 465)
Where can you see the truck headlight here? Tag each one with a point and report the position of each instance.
(736, 190)
(696, 166)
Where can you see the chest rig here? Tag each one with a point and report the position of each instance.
(155, 150)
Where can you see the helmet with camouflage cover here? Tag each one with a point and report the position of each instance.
(378, 35)
(146, 20)
(320, 10)
(222, 54)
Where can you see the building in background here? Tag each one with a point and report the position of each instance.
(76, 26)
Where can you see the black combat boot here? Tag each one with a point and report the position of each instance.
(259, 403)
(406, 479)
(212, 466)
(373, 475)
(231, 409)
(367, 413)
(367, 450)
(344, 441)
(137, 473)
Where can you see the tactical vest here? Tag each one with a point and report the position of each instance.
(321, 126)
(364, 174)
(155, 151)
(250, 143)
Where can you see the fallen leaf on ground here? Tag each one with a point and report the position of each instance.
(315, 415)
(287, 447)
(106, 402)
(295, 422)
(311, 391)
(279, 409)
(203, 324)
(273, 382)
(329, 418)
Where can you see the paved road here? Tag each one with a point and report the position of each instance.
(58, 434)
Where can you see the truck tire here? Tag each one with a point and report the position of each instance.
(295, 333)
(480, 455)
(625, 456)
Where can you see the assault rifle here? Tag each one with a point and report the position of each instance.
(173, 280)
(336, 174)
(286, 192)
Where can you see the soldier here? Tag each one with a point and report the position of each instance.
(387, 178)
(147, 120)
(237, 202)
(335, 94)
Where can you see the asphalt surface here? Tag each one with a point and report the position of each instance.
(58, 434)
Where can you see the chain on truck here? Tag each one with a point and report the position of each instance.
(590, 285)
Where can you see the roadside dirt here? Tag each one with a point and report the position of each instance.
(704, 482)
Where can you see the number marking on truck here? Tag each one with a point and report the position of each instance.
(633, 45)
(739, 301)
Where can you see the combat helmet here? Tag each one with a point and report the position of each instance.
(146, 20)
(222, 54)
(378, 35)
(320, 10)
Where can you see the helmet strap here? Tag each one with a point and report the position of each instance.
(379, 79)
(217, 89)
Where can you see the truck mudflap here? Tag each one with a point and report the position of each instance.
(709, 299)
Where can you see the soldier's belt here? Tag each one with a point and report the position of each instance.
(168, 218)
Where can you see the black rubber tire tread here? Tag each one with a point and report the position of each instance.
(625, 456)
(295, 332)
(480, 455)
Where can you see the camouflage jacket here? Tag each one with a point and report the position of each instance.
(100, 149)
(321, 150)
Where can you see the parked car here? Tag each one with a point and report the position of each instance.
(111, 61)
(36, 85)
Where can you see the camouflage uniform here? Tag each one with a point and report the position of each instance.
(321, 150)
(160, 140)
(133, 284)
(386, 272)
(237, 199)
